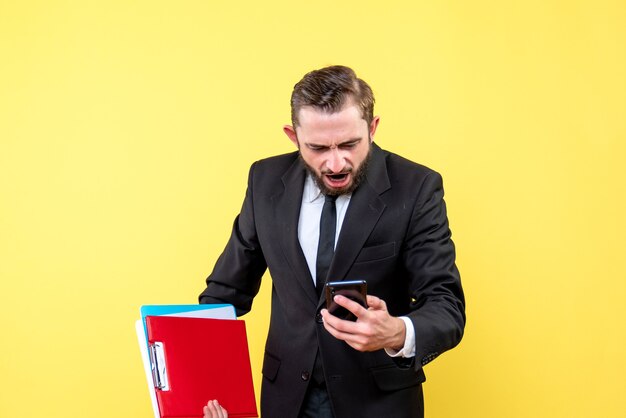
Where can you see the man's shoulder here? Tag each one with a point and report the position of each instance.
(278, 163)
(271, 173)
(402, 166)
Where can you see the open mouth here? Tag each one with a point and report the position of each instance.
(337, 177)
(337, 180)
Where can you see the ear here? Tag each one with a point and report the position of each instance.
(374, 126)
(290, 131)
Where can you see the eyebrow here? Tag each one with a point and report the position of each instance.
(339, 144)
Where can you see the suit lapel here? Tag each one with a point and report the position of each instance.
(364, 211)
(287, 213)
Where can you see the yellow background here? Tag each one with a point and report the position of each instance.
(127, 129)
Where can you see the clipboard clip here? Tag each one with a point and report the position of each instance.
(158, 366)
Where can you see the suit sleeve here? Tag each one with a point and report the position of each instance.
(438, 304)
(236, 277)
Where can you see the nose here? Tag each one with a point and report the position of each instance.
(336, 161)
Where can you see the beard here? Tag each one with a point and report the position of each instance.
(357, 177)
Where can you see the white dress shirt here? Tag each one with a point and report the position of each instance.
(309, 233)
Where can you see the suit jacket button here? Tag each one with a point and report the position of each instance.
(305, 375)
(318, 318)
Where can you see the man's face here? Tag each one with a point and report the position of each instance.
(334, 146)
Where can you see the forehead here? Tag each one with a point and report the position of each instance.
(318, 125)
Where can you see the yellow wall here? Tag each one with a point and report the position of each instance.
(126, 132)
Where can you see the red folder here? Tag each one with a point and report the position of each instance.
(204, 359)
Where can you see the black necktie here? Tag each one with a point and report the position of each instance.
(326, 246)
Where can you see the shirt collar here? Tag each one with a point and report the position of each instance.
(312, 193)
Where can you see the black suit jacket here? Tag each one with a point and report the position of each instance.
(395, 236)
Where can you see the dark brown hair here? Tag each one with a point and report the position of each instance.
(328, 89)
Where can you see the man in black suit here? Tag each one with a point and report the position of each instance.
(391, 230)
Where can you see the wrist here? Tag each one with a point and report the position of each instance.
(399, 334)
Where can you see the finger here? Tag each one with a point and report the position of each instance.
(355, 341)
(347, 331)
(356, 308)
(375, 302)
(340, 335)
(221, 411)
(210, 411)
(215, 410)
(338, 323)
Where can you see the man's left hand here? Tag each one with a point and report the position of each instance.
(374, 328)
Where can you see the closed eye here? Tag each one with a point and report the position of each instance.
(348, 145)
(317, 148)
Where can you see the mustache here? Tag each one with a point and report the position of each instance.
(346, 170)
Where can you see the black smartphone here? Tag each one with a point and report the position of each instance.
(355, 290)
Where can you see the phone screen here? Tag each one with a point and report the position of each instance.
(355, 290)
